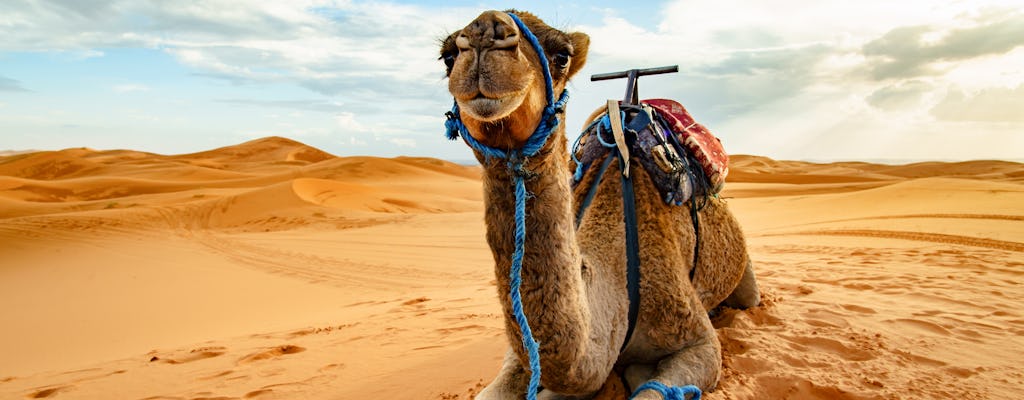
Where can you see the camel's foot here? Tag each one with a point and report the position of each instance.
(746, 294)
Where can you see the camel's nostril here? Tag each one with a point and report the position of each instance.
(462, 42)
(507, 43)
(503, 30)
(506, 34)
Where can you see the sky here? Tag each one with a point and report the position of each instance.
(789, 79)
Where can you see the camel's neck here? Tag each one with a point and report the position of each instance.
(552, 286)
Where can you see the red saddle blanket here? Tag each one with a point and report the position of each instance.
(697, 138)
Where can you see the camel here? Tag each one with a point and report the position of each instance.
(573, 280)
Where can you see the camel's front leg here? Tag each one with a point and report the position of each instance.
(700, 364)
(511, 382)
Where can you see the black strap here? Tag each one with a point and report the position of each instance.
(632, 254)
(695, 218)
(592, 190)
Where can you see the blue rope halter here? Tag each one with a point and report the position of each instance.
(516, 158)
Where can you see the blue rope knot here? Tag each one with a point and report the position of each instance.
(669, 392)
(452, 123)
(517, 165)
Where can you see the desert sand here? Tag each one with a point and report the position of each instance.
(274, 270)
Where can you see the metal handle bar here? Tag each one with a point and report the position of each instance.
(639, 72)
(632, 92)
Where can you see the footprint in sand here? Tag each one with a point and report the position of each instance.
(961, 372)
(858, 286)
(920, 326)
(216, 375)
(321, 330)
(258, 393)
(47, 392)
(330, 367)
(908, 358)
(858, 309)
(271, 353)
(793, 387)
(732, 345)
(415, 301)
(831, 346)
(201, 353)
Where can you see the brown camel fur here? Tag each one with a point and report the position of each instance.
(574, 282)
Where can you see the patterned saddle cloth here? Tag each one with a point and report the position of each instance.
(681, 156)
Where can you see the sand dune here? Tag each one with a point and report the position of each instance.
(274, 270)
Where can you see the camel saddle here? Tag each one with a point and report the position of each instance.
(683, 158)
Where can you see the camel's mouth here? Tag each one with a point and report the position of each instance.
(488, 109)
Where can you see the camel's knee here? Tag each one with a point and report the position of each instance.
(746, 294)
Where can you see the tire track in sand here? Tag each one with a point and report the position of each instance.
(999, 217)
(922, 237)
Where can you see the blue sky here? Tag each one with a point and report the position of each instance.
(827, 80)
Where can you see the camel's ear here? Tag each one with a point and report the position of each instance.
(580, 45)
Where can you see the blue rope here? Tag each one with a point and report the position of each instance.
(577, 175)
(669, 392)
(516, 159)
(529, 343)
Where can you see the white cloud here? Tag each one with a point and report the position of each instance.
(900, 96)
(990, 105)
(347, 122)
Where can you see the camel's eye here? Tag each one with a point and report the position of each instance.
(561, 59)
(449, 60)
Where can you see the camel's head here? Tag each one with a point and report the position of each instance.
(496, 76)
